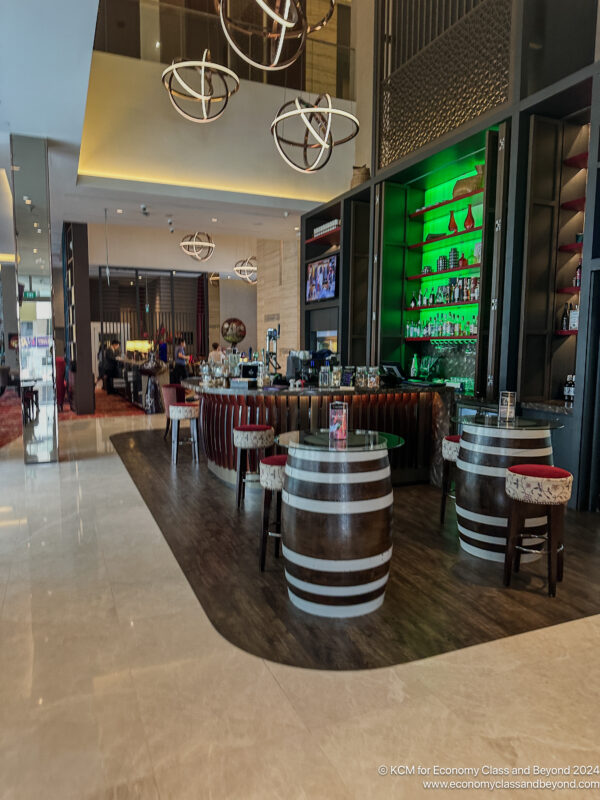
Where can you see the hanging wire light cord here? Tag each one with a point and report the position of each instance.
(106, 245)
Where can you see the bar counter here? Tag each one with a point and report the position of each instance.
(419, 414)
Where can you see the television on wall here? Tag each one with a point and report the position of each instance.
(321, 279)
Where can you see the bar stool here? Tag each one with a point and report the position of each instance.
(171, 393)
(450, 449)
(546, 486)
(178, 412)
(245, 438)
(272, 470)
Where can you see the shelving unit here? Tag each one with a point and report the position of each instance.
(430, 275)
(574, 205)
(578, 161)
(569, 290)
(415, 205)
(565, 333)
(331, 237)
(571, 247)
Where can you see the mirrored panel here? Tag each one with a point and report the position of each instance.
(34, 284)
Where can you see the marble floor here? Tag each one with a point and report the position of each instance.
(114, 684)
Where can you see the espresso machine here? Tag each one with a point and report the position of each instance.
(271, 350)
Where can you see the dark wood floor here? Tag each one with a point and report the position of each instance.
(438, 598)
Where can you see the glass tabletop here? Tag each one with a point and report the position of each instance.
(517, 424)
(357, 440)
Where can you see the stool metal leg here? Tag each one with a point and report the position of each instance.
(168, 425)
(555, 525)
(560, 544)
(267, 497)
(445, 489)
(174, 440)
(194, 432)
(514, 529)
(241, 455)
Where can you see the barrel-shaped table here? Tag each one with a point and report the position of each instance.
(337, 521)
(488, 446)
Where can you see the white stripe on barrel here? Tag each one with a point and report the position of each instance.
(336, 528)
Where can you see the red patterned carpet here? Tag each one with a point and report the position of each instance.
(10, 417)
(107, 405)
(112, 405)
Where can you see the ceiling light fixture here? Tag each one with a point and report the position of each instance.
(213, 86)
(198, 245)
(214, 219)
(35, 249)
(247, 269)
(119, 210)
(316, 134)
(281, 27)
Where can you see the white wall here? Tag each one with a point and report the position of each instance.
(132, 133)
(238, 299)
(156, 248)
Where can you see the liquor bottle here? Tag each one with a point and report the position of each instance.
(432, 298)
(413, 302)
(569, 392)
(565, 318)
(578, 274)
(414, 367)
(419, 299)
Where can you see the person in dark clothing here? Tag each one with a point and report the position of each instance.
(180, 371)
(111, 368)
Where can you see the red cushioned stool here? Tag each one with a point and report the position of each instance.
(272, 471)
(450, 448)
(246, 438)
(545, 486)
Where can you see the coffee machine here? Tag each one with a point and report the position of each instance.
(271, 349)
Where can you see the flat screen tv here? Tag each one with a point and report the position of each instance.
(321, 279)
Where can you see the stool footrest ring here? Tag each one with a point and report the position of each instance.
(535, 551)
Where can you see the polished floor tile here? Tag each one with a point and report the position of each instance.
(114, 685)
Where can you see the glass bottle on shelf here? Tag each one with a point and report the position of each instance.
(420, 299)
(578, 274)
(413, 302)
(432, 298)
(414, 367)
(567, 395)
(565, 318)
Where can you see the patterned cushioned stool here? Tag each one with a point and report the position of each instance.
(450, 448)
(179, 411)
(171, 393)
(546, 486)
(245, 438)
(272, 470)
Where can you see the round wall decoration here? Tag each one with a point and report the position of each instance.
(233, 330)
(314, 131)
(198, 245)
(199, 90)
(280, 24)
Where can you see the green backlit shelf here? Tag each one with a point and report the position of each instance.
(439, 338)
(444, 305)
(423, 275)
(434, 244)
(455, 201)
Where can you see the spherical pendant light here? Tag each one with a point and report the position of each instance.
(285, 25)
(205, 88)
(314, 124)
(198, 245)
(247, 269)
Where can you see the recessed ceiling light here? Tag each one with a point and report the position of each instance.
(35, 224)
(35, 249)
(214, 219)
(139, 277)
(39, 230)
(131, 283)
(157, 45)
(119, 210)
(296, 228)
(27, 200)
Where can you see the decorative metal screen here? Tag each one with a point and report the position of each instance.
(455, 76)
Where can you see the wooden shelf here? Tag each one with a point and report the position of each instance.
(579, 161)
(331, 237)
(574, 205)
(444, 305)
(565, 333)
(433, 243)
(420, 212)
(436, 338)
(573, 247)
(424, 275)
(569, 290)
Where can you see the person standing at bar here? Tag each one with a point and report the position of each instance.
(216, 355)
(111, 368)
(180, 372)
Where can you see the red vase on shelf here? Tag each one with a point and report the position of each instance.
(469, 220)
(452, 226)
